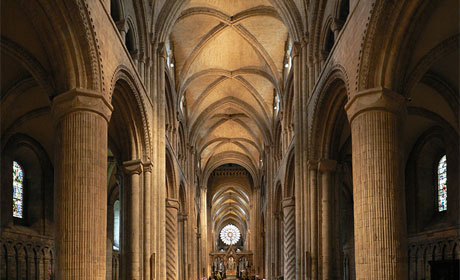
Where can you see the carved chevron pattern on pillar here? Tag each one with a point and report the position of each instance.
(289, 241)
(171, 243)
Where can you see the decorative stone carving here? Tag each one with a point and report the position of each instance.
(289, 239)
(172, 207)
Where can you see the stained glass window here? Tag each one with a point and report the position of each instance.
(116, 225)
(442, 184)
(18, 190)
(230, 234)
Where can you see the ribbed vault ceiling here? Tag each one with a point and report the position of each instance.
(228, 64)
(229, 59)
(230, 205)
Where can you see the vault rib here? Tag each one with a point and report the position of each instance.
(254, 93)
(245, 107)
(239, 139)
(252, 40)
(212, 34)
(222, 121)
(228, 73)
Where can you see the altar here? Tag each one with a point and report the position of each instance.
(232, 263)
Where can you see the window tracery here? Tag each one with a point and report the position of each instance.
(230, 234)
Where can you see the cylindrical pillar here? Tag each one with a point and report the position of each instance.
(277, 240)
(147, 218)
(326, 168)
(172, 207)
(132, 253)
(313, 186)
(204, 232)
(81, 118)
(289, 239)
(377, 121)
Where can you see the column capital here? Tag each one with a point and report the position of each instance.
(172, 203)
(148, 166)
(378, 99)
(296, 49)
(288, 202)
(183, 217)
(327, 165)
(79, 99)
(122, 25)
(336, 25)
(133, 166)
(162, 50)
(312, 164)
(305, 39)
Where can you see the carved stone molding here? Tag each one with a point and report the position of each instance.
(79, 99)
(133, 166)
(375, 99)
(327, 165)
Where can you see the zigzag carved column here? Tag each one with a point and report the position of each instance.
(132, 235)
(172, 206)
(81, 118)
(289, 239)
(377, 118)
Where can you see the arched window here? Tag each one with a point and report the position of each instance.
(115, 12)
(330, 40)
(344, 10)
(18, 191)
(277, 103)
(442, 184)
(116, 225)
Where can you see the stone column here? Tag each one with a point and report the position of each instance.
(336, 26)
(123, 27)
(276, 244)
(298, 54)
(326, 168)
(377, 121)
(289, 239)
(204, 233)
(172, 207)
(131, 192)
(147, 218)
(183, 230)
(81, 117)
(313, 186)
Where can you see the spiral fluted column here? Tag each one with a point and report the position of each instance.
(81, 117)
(172, 265)
(377, 118)
(132, 260)
(289, 239)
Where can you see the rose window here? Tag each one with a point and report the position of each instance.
(230, 234)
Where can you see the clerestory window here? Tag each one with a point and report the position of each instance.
(18, 190)
(116, 225)
(442, 184)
